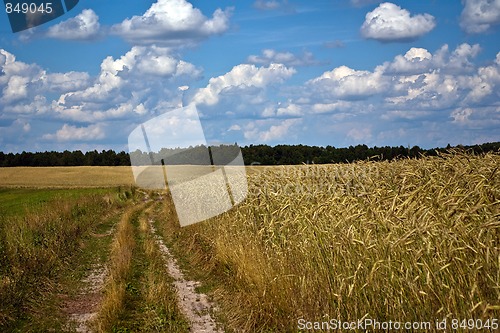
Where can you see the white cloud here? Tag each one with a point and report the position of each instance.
(485, 83)
(417, 92)
(390, 23)
(10, 67)
(16, 89)
(242, 77)
(84, 26)
(426, 91)
(157, 62)
(404, 114)
(62, 82)
(480, 15)
(461, 115)
(263, 131)
(477, 117)
(459, 59)
(330, 107)
(23, 86)
(290, 109)
(22, 124)
(172, 23)
(346, 83)
(70, 133)
(415, 60)
(419, 60)
(413, 93)
(120, 89)
(17, 131)
(37, 105)
(442, 79)
(360, 134)
(270, 56)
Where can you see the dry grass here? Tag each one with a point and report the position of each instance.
(35, 247)
(122, 249)
(139, 295)
(162, 313)
(409, 240)
(66, 177)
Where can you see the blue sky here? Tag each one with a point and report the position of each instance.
(326, 72)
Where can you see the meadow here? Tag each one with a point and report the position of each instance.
(403, 240)
(40, 231)
(82, 260)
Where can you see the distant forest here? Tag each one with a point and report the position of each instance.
(253, 154)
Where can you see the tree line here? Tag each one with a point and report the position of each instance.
(253, 154)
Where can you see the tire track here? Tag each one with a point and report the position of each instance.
(83, 309)
(195, 306)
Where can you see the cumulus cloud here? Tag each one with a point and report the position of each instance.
(419, 60)
(269, 130)
(415, 60)
(23, 86)
(70, 133)
(418, 91)
(485, 83)
(10, 67)
(320, 108)
(487, 117)
(461, 115)
(120, 89)
(286, 110)
(84, 26)
(62, 82)
(442, 79)
(16, 89)
(346, 83)
(414, 92)
(479, 15)
(391, 23)
(270, 56)
(426, 91)
(172, 23)
(242, 77)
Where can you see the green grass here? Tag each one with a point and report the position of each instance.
(40, 245)
(22, 200)
(139, 294)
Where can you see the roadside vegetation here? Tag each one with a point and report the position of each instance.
(401, 240)
(407, 240)
(43, 233)
(139, 294)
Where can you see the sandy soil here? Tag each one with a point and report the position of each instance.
(83, 309)
(195, 306)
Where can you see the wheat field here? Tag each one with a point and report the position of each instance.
(66, 177)
(407, 240)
